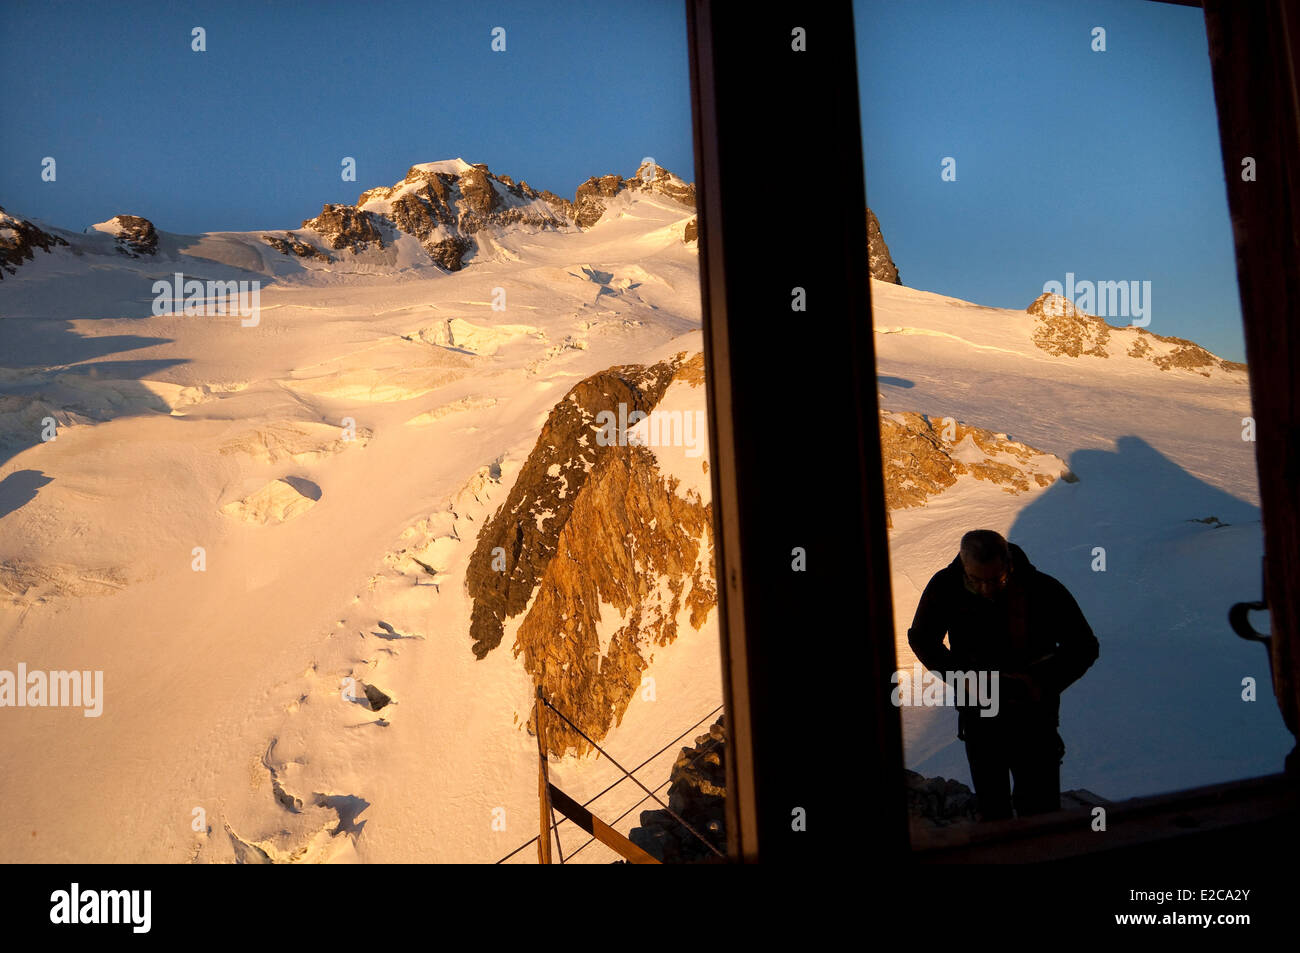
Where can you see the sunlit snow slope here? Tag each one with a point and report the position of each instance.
(327, 470)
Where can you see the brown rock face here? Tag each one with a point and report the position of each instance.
(421, 211)
(290, 245)
(427, 213)
(607, 185)
(443, 211)
(655, 178)
(588, 206)
(1063, 329)
(879, 262)
(17, 239)
(590, 201)
(628, 531)
(919, 463)
(692, 232)
(599, 548)
(476, 193)
(450, 252)
(528, 537)
(344, 227)
(447, 210)
(561, 205)
(136, 237)
(1186, 354)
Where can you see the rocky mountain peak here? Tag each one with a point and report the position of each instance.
(135, 236)
(591, 199)
(655, 178)
(443, 205)
(1064, 330)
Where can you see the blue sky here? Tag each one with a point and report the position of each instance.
(1106, 165)
(251, 133)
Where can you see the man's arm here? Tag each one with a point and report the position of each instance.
(929, 626)
(1076, 646)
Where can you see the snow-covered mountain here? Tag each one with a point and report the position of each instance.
(262, 534)
(323, 558)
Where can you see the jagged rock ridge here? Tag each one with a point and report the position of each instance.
(291, 245)
(444, 204)
(602, 552)
(918, 461)
(879, 262)
(17, 239)
(589, 201)
(1063, 330)
(441, 204)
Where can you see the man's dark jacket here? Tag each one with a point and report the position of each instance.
(1033, 626)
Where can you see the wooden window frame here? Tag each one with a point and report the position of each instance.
(807, 656)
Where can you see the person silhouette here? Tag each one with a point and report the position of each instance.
(1001, 615)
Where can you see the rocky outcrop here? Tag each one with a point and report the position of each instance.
(597, 552)
(698, 795)
(592, 198)
(135, 236)
(291, 245)
(443, 205)
(588, 201)
(879, 262)
(478, 198)
(654, 178)
(1182, 353)
(562, 205)
(18, 238)
(1064, 330)
(345, 227)
(918, 461)
(692, 231)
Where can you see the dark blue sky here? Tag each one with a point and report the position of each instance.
(1106, 165)
(1102, 164)
(250, 134)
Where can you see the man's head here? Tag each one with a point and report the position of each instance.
(986, 562)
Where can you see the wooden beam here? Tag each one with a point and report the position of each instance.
(598, 828)
(1146, 825)
(543, 783)
(799, 591)
(1255, 58)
